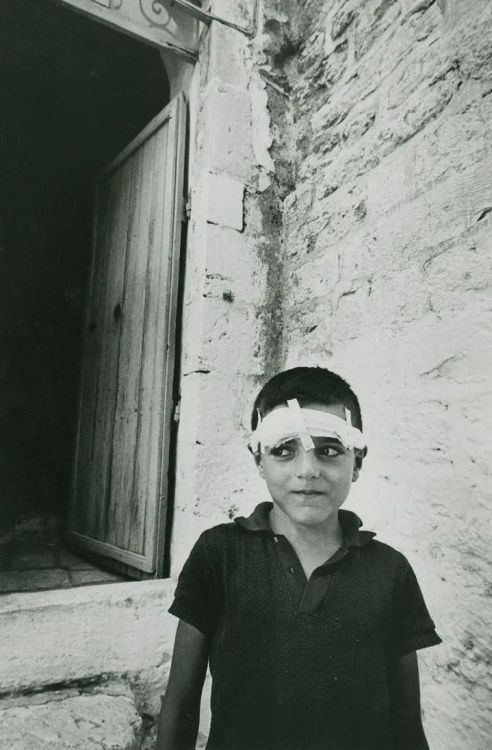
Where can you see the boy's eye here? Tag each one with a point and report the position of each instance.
(284, 450)
(328, 451)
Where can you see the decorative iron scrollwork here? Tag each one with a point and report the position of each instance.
(155, 12)
(109, 4)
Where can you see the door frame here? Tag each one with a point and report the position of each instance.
(178, 69)
(158, 24)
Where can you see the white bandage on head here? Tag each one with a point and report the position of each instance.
(296, 416)
(291, 422)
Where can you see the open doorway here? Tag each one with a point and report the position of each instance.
(72, 94)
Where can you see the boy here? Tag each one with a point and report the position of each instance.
(309, 625)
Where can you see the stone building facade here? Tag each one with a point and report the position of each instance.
(341, 195)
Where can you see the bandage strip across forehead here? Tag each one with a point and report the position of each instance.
(293, 422)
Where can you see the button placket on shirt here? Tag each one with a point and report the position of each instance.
(308, 594)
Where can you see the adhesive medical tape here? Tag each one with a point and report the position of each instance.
(288, 423)
(302, 430)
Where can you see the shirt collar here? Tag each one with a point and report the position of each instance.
(350, 524)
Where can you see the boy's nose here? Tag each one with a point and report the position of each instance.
(307, 467)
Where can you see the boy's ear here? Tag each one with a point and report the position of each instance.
(359, 455)
(257, 458)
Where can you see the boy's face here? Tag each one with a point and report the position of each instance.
(310, 486)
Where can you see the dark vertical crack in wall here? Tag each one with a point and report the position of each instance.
(279, 50)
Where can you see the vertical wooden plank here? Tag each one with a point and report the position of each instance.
(175, 186)
(130, 352)
(90, 360)
(146, 476)
(116, 249)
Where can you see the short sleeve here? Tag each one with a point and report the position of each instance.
(197, 595)
(413, 626)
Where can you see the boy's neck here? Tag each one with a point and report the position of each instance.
(327, 533)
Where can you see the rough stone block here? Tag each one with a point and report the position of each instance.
(226, 63)
(331, 113)
(359, 124)
(342, 19)
(372, 24)
(233, 264)
(453, 272)
(418, 110)
(393, 182)
(228, 131)
(341, 212)
(84, 632)
(431, 65)
(422, 18)
(311, 323)
(470, 37)
(232, 336)
(225, 201)
(315, 278)
(457, 142)
(261, 132)
(84, 722)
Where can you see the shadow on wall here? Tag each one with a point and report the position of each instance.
(72, 94)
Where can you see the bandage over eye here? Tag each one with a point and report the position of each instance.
(294, 423)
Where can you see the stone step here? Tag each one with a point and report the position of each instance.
(81, 722)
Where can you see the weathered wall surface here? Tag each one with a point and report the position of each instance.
(231, 284)
(387, 280)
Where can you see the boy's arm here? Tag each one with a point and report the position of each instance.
(180, 712)
(408, 731)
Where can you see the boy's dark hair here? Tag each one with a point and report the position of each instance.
(308, 385)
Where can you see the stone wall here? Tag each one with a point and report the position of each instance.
(386, 238)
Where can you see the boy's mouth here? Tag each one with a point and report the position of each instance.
(308, 492)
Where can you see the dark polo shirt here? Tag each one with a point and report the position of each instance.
(298, 664)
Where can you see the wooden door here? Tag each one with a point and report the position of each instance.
(119, 493)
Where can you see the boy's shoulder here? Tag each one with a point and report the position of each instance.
(229, 537)
(257, 521)
(386, 554)
(220, 531)
(219, 535)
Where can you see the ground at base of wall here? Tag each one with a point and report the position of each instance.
(59, 720)
(29, 565)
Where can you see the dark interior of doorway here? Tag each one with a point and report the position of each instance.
(72, 94)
